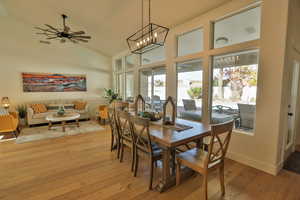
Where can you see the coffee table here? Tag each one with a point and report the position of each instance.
(51, 118)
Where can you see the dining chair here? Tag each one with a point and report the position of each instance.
(126, 135)
(103, 113)
(144, 145)
(115, 134)
(205, 161)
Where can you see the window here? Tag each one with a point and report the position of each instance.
(131, 62)
(191, 42)
(118, 65)
(120, 84)
(129, 77)
(234, 87)
(153, 86)
(155, 55)
(239, 28)
(189, 90)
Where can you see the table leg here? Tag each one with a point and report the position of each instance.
(63, 126)
(77, 122)
(49, 125)
(164, 182)
(168, 180)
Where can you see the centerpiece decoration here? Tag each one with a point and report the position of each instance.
(139, 104)
(169, 112)
(153, 116)
(61, 111)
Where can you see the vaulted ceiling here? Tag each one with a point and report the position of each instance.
(109, 22)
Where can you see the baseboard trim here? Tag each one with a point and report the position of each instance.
(266, 167)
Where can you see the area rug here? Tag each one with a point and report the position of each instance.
(293, 162)
(41, 133)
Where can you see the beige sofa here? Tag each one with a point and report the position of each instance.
(52, 106)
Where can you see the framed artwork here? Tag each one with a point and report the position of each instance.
(47, 82)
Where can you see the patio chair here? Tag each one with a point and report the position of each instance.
(247, 115)
(156, 103)
(190, 110)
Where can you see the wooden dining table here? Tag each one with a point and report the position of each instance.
(168, 137)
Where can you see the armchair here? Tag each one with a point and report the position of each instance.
(9, 123)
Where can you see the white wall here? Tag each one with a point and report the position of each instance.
(20, 51)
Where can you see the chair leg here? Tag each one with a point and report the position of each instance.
(132, 158)
(15, 134)
(178, 175)
(151, 173)
(118, 141)
(136, 162)
(204, 186)
(221, 173)
(122, 150)
(112, 142)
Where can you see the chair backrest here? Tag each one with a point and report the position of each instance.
(140, 127)
(121, 105)
(139, 104)
(189, 104)
(113, 122)
(247, 115)
(103, 111)
(123, 121)
(220, 138)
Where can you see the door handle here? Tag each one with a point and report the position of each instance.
(290, 114)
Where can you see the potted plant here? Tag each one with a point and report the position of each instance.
(111, 96)
(22, 111)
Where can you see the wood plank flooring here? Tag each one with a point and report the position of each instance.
(82, 167)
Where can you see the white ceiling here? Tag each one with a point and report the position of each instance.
(109, 22)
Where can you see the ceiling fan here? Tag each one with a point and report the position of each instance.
(64, 34)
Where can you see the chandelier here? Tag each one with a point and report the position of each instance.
(148, 37)
(64, 34)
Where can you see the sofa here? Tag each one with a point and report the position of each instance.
(52, 107)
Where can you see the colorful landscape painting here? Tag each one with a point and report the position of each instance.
(46, 82)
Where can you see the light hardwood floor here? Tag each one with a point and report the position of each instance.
(82, 167)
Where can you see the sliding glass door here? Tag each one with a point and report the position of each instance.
(153, 86)
(189, 90)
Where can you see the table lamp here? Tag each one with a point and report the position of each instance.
(5, 102)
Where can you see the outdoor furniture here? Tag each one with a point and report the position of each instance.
(247, 115)
(203, 161)
(51, 118)
(156, 103)
(190, 110)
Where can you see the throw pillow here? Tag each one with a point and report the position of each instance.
(79, 105)
(3, 111)
(39, 108)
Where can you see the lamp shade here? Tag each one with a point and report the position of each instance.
(5, 102)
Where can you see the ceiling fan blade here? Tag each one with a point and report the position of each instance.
(74, 41)
(82, 36)
(45, 42)
(81, 40)
(78, 33)
(45, 30)
(51, 27)
(50, 38)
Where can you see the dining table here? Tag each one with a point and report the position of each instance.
(168, 138)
